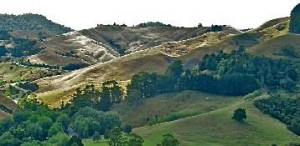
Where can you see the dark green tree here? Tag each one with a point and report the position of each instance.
(6, 124)
(35, 131)
(105, 99)
(60, 139)
(45, 123)
(96, 136)
(3, 51)
(116, 138)
(32, 143)
(134, 97)
(4, 35)
(127, 128)
(115, 90)
(169, 140)
(7, 139)
(63, 120)
(41, 36)
(175, 69)
(145, 83)
(239, 114)
(85, 97)
(54, 129)
(135, 140)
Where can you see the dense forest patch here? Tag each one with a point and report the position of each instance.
(284, 109)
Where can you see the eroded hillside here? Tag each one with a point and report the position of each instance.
(157, 59)
(105, 42)
(72, 48)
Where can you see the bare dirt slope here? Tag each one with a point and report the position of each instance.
(6, 106)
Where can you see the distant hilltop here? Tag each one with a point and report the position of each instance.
(30, 22)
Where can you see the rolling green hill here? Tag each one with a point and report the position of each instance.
(210, 123)
(169, 106)
(216, 128)
(275, 47)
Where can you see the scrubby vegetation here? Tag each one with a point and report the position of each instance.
(74, 66)
(4, 35)
(153, 24)
(11, 90)
(29, 64)
(23, 47)
(28, 86)
(3, 51)
(30, 22)
(215, 28)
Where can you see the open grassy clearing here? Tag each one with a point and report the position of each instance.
(217, 128)
(90, 142)
(273, 47)
(182, 104)
(12, 72)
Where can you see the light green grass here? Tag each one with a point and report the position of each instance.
(216, 128)
(11, 72)
(182, 104)
(90, 142)
(272, 47)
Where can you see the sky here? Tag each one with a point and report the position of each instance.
(83, 14)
